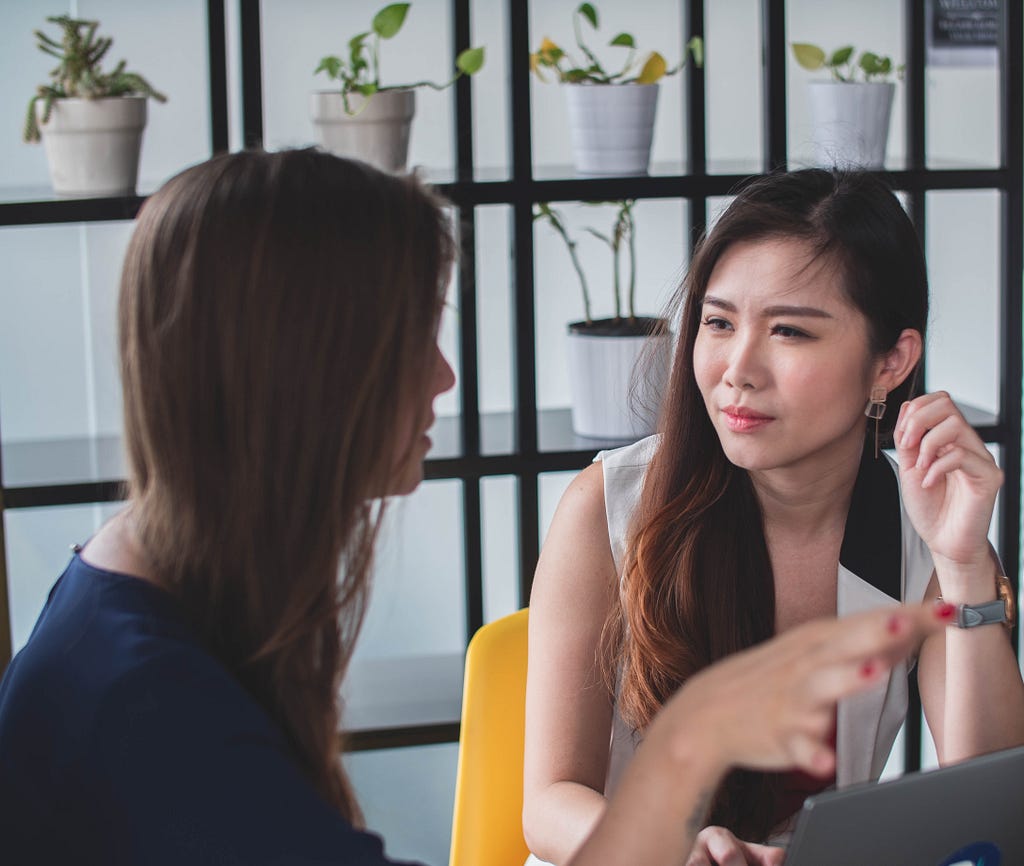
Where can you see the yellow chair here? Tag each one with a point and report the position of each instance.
(487, 827)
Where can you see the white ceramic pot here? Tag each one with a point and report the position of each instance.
(377, 132)
(850, 123)
(611, 127)
(613, 397)
(92, 145)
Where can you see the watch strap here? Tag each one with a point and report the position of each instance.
(972, 615)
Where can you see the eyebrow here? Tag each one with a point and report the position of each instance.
(778, 310)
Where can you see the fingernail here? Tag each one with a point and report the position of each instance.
(897, 623)
(944, 610)
(867, 670)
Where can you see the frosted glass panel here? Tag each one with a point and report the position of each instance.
(733, 85)
(491, 96)
(661, 248)
(494, 307)
(38, 551)
(58, 343)
(868, 25)
(297, 35)
(963, 251)
(657, 26)
(407, 796)
(418, 605)
(962, 118)
(500, 546)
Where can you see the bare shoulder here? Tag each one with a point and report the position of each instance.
(577, 556)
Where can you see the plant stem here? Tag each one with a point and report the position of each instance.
(615, 275)
(632, 263)
(579, 272)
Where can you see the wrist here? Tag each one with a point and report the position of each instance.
(691, 745)
(961, 583)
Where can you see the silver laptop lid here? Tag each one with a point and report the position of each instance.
(968, 813)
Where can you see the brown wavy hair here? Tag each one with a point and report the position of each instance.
(697, 583)
(276, 311)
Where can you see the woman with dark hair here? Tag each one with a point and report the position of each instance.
(760, 504)
(177, 701)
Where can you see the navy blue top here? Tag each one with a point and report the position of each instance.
(123, 741)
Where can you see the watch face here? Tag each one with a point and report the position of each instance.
(1005, 589)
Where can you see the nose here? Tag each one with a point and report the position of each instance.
(444, 375)
(744, 369)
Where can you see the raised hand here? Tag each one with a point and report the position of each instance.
(772, 707)
(768, 708)
(949, 481)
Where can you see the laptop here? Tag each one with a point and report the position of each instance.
(971, 812)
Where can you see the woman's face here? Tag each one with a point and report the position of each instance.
(419, 418)
(782, 358)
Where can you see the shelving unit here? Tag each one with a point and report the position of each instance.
(528, 442)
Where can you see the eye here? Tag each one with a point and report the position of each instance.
(716, 323)
(788, 332)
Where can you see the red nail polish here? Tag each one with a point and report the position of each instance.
(944, 610)
(867, 670)
(897, 623)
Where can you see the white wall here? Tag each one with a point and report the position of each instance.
(57, 367)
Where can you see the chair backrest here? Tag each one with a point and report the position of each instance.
(487, 827)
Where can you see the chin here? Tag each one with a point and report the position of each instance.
(408, 483)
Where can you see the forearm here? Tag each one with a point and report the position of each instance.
(983, 706)
(559, 817)
(657, 810)
(983, 700)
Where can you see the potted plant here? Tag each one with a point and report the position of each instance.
(90, 121)
(611, 127)
(618, 366)
(849, 116)
(363, 118)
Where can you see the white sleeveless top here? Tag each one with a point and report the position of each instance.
(883, 561)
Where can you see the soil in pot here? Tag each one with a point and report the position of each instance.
(639, 326)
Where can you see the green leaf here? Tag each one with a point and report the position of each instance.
(841, 56)
(470, 60)
(330, 65)
(624, 39)
(367, 89)
(389, 20)
(356, 42)
(696, 46)
(870, 62)
(808, 56)
(588, 12)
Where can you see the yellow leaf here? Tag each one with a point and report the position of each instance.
(653, 69)
(547, 45)
(808, 56)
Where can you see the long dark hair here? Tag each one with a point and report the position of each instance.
(276, 313)
(697, 583)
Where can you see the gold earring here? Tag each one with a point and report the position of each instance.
(876, 409)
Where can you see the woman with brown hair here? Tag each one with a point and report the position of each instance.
(177, 701)
(764, 502)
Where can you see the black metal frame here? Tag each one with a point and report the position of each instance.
(526, 460)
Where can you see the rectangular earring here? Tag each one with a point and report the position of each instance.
(876, 409)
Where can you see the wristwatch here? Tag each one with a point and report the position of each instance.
(1003, 609)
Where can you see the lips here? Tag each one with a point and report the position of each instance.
(740, 419)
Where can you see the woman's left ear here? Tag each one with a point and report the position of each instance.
(900, 359)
